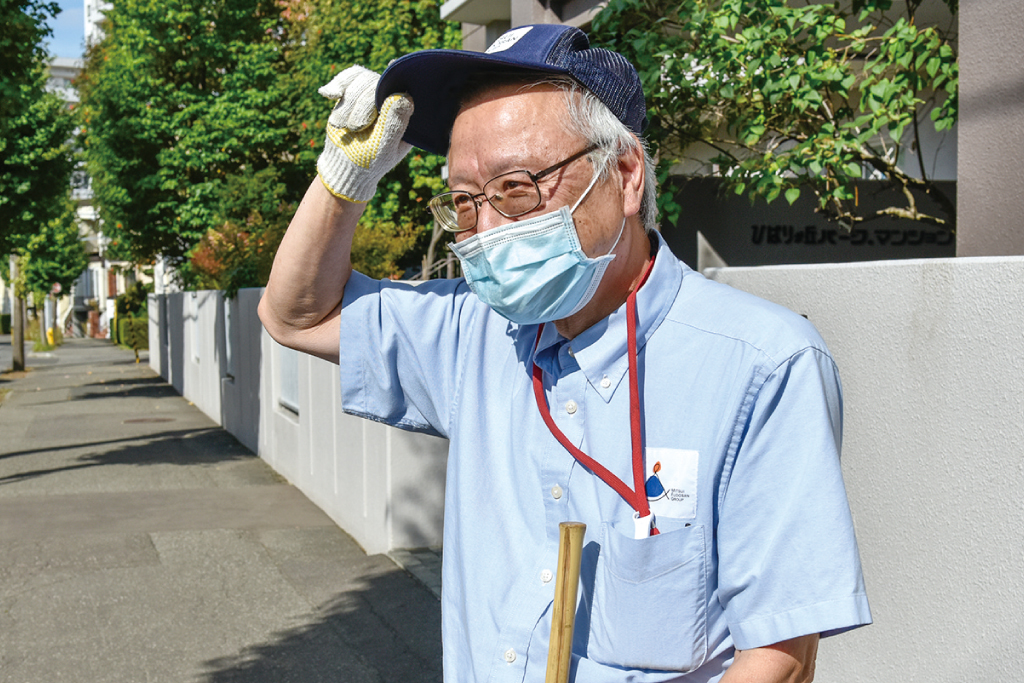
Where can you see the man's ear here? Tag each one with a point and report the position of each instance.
(631, 172)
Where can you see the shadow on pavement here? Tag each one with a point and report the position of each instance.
(384, 632)
(178, 434)
(182, 447)
(136, 387)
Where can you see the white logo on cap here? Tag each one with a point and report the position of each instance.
(507, 40)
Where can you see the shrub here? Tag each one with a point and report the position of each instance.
(133, 333)
(133, 302)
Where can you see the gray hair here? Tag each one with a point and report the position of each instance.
(590, 119)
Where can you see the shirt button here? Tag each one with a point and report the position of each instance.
(546, 576)
(571, 407)
(605, 383)
(510, 655)
(556, 491)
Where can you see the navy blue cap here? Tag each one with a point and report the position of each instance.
(435, 78)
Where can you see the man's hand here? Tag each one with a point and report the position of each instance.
(302, 301)
(362, 144)
(791, 661)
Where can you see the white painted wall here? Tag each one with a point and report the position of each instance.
(931, 355)
(383, 486)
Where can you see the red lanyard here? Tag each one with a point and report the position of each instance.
(637, 496)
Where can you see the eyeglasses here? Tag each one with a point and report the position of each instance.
(511, 194)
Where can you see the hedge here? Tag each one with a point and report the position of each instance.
(133, 333)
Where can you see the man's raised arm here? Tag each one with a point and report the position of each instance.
(302, 301)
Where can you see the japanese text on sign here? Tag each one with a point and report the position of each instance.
(812, 235)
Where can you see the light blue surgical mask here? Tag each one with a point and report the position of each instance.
(534, 270)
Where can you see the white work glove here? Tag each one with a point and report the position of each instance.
(362, 144)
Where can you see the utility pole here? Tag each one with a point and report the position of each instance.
(17, 321)
(54, 299)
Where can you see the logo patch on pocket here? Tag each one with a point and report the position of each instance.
(672, 482)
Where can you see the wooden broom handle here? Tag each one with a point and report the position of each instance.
(563, 612)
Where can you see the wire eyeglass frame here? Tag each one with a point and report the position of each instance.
(445, 206)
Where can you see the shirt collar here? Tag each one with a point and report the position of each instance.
(600, 350)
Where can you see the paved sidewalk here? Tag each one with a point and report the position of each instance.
(139, 542)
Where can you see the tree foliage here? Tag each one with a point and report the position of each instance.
(35, 206)
(21, 54)
(177, 97)
(55, 254)
(372, 34)
(204, 124)
(792, 97)
(250, 220)
(34, 159)
(35, 172)
(37, 216)
(37, 159)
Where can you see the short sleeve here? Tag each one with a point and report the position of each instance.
(398, 354)
(788, 559)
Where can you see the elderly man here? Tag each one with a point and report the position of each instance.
(580, 372)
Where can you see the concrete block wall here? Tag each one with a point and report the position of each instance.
(383, 486)
(931, 355)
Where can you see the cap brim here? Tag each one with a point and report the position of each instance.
(435, 79)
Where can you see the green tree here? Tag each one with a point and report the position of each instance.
(22, 107)
(194, 105)
(792, 97)
(54, 255)
(35, 168)
(331, 36)
(36, 209)
(33, 130)
(21, 54)
(178, 96)
(251, 218)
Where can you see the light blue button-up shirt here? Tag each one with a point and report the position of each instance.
(742, 414)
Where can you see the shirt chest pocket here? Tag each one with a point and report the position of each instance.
(649, 607)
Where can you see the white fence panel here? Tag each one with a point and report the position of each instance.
(383, 486)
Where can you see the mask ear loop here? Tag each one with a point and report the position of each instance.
(593, 181)
(616, 243)
(585, 193)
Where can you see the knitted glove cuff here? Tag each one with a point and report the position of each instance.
(343, 178)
